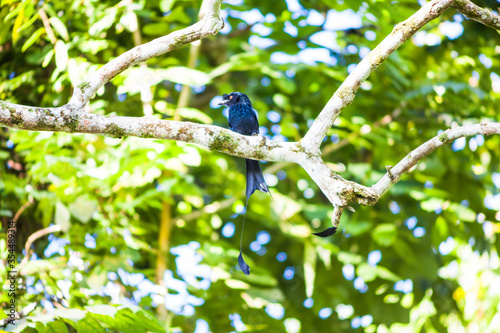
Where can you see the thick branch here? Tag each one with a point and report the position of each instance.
(394, 174)
(209, 136)
(209, 25)
(476, 13)
(339, 191)
(347, 91)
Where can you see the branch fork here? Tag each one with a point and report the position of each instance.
(341, 193)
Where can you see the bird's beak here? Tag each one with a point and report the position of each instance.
(225, 100)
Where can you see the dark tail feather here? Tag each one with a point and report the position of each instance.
(243, 265)
(241, 262)
(326, 233)
(255, 178)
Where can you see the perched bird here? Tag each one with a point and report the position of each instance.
(243, 119)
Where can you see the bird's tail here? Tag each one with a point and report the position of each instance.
(255, 178)
(255, 181)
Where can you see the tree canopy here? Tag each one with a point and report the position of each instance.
(140, 234)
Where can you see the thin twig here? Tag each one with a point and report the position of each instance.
(46, 24)
(34, 236)
(347, 91)
(415, 156)
(23, 207)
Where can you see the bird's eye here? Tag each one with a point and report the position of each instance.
(231, 97)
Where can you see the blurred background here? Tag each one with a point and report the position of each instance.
(153, 226)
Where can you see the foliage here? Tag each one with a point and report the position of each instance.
(410, 263)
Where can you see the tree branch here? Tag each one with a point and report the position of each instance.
(415, 156)
(476, 13)
(33, 237)
(18, 315)
(209, 136)
(23, 207)
(210, 24)
(194, 51)
(71, 118)
(347, 91)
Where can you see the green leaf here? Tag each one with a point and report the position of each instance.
(93, 46)
(47, 59)
(150, 322)
(103, 309)
(281, 100)
(18, 22)
(129, 21)
(5, 212)
(359, 170)
(262, 280)
(405, 252)
(184, 75)
(309, 267)
(385, 234)
(166, 5)
(349, 258)
(464, 214)
(90, 325)
(34, 266)
(62, 216)
(83, 208)
(72, 314)
(386, 274)
(367, 272)
(105, 22)
(59, 27)
(195, 114)
(191, 156)
(432, 204)
(56, 327)
(126, 320)
(33, 38)
(40, 327)
(61, 50)
(155, 29)
(356, 228)
(137, 79)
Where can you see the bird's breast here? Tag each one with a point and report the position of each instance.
(243, 120)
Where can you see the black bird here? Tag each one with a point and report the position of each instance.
(243, 119)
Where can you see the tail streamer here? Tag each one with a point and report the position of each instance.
(241, 262)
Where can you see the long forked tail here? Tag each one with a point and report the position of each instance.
(255, 181)
(255, 178)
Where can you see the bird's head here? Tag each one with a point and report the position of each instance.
(235, 98)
